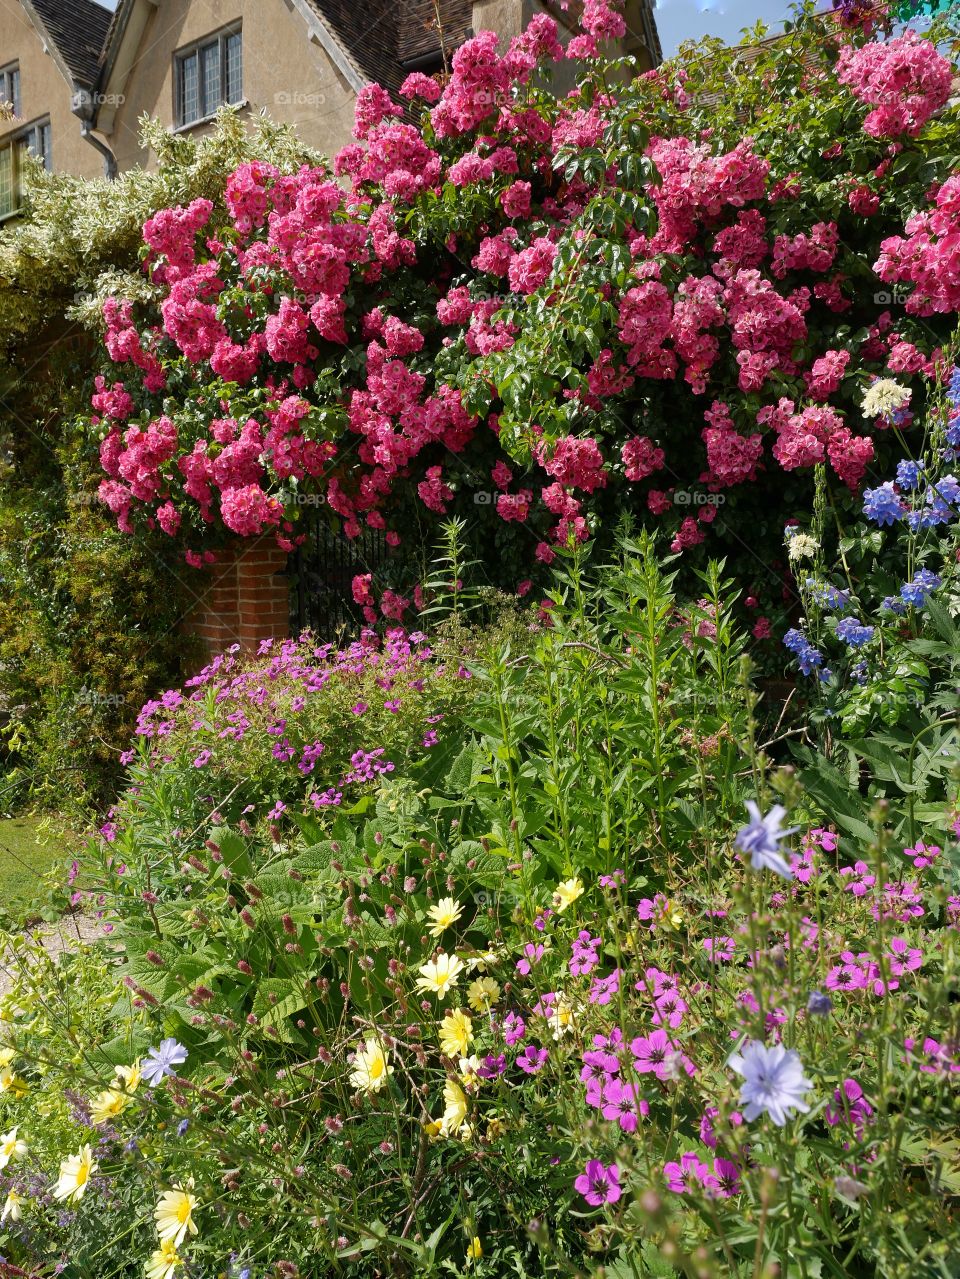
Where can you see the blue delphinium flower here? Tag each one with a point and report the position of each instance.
(761, 839)
(161, 1061)
(819, 1004)
(808, 657)
(882, 505)
(936, 511)
(894, 604)
(916, 591)
(948, 489)
(909, 473)
(827, 596)
(854, 633)
(859, 672)
(953, 387)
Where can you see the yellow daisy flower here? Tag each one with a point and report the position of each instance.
(469, 1070)
(439, 976)
(10, 1081)
(108, 1105)
(11, 1207)
(455, 1106)
(482, 994)
(566, 894)
(446, 912)
(481, 959)
(129, 1076)
(371, 1068)
(75, 1173)
(164, 1261)
(174, 1215)
(11, 1147)
(456, 1034)
(562, 1017)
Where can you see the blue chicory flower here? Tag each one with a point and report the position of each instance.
(161, 1061)
(761, 837)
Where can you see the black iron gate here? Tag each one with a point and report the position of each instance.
(322, 572)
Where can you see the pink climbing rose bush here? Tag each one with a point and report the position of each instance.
(608, 297)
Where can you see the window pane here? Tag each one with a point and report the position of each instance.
(210, 78)
(234, 85)
(189, 89)
(14, 88)
(7, 201)
(46, 146)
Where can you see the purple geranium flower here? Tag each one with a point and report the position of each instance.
(599, 1184)
(532, 1059)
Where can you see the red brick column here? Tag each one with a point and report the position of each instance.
(247, 598)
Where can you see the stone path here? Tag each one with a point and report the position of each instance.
(66, 934)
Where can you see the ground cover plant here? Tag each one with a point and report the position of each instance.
(587, 988)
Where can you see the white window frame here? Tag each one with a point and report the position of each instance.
(30, 137)
(10, 91)
(218, 40)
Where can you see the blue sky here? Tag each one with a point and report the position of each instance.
(688, 19)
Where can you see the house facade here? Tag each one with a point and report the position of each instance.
(48, 50)
(80, 78)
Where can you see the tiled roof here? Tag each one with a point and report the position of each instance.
(418, 32)
(383, 37)
(79, 30)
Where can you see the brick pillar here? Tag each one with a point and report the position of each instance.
(247, 598)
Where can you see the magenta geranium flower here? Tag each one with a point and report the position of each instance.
(622, 1104)
(531, 1060)
(681, 1176)
(599, 1184)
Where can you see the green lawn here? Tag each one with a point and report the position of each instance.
(27, 851)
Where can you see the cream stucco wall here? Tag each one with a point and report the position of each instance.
(43, 93)
(509, 17)
(285, 73)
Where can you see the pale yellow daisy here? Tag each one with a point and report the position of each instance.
(456, 1033)
(10, 1081)
(562, 1017)
(469, 1069)
(12, 1207)
(129, 1076)
(174, 1215)
(11, 1147)
(371, 1067)
(75, 1173)
(164, 1261)
(483, 993)
(455, 1106)
(446, 912)
(439, 975)
(566, 894)
(108, 1105)
(482, 959)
